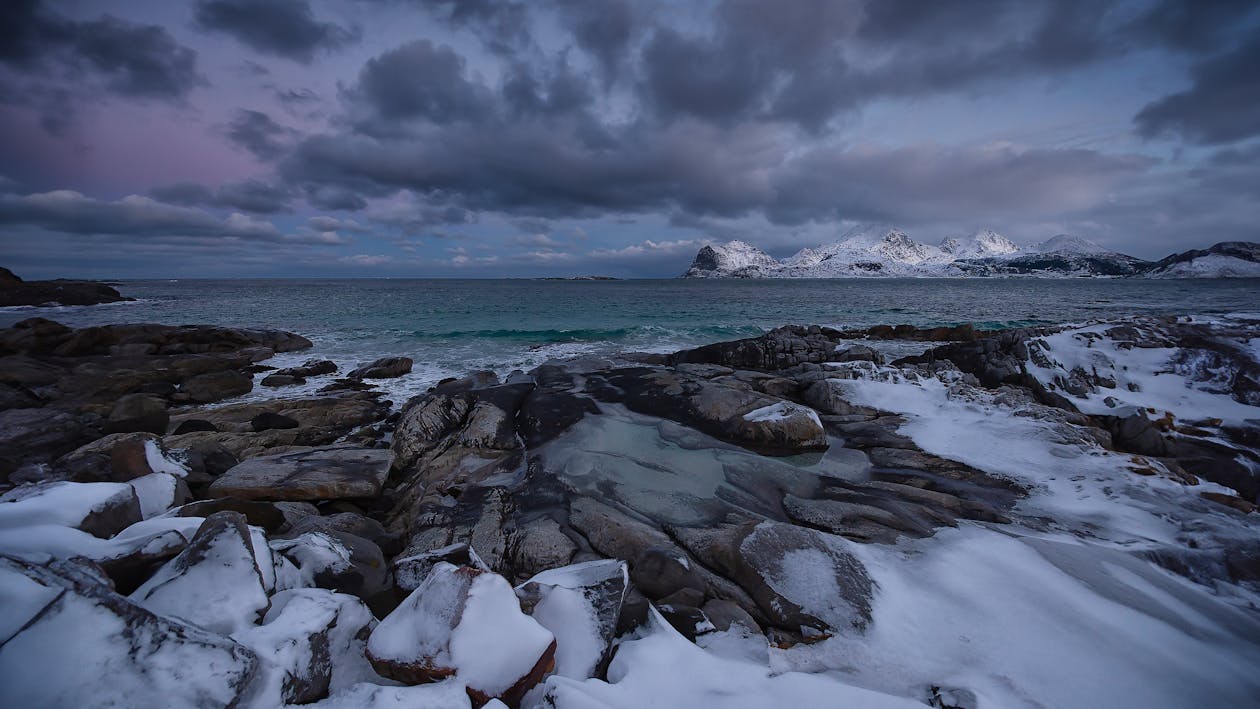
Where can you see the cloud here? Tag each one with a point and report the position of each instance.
(367, 260)
(247, 195)
(56, 64)
(284, 28)
(69, 212)
(1221, 106)
(256, 132)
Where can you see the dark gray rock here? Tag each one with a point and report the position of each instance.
(281, 380)
(778, 349)
(309, 368)
(316, 474)
(269, 420)
(193, 425)
(384, 368)
(138, 412)
(215, 386)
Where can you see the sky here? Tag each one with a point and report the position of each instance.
(474, 138)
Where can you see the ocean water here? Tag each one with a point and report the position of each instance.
(450, 327)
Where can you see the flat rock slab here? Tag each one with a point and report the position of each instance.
(317, 474)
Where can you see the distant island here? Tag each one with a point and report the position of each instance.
(578, 278)
(891, 253)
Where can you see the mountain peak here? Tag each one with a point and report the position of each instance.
(1068, 243)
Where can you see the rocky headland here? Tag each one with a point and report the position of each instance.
(542, 538)
(15, 291)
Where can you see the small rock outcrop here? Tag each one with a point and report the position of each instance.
(331, 473)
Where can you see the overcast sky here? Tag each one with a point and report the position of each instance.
(556, 137)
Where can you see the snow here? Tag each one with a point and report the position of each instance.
(443, 695)
(157, 492)
(495, 644)
(82, 653)
(159, 463)
(310, 555)
(420, 627)
(61, 503)
(22, 598)
(781, 411)
(1057, 608)
(214, 583)
(663, 669)
(1067, 243)
(1144, 377)
(566, 613)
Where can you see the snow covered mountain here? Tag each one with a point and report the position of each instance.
(890, 252)
(1228, 259)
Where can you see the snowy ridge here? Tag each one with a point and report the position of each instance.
(891, 252)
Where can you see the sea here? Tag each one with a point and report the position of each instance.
(450, 327)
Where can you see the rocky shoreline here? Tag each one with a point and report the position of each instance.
(559, 511)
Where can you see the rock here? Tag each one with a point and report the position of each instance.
(721, 409)
(117, 457)
(384, 368)
(215, 386)
(778, 349)
(138, 412)
(539, 545)
(36, 435)
(337, 560)
(309, 368)
(264, 515)
(724, 614)
(159, 492)
(1232, 501)
(410, 570)
(350, 523)
(858, 353)
(317, 474)
(100, 509)
(660, 572)
(468, 622)
(215, 582)
(268, 420)
(120, 654)
(1137, 434)
(546, 414)
(580, 605)
(194, 425)
(687, 620)
(825, 397)
(308, 638)
(281, 380)
(857, 520)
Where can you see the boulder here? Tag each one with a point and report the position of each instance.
(308, 639)
(264, 515)
(136, 413)
(214, 583)
(580, 605)
(14, 291)
(269, 420)
(159, 492)
(309, 368)
(193, 425)
(215, 386)
(117, 457)
(37, 435)
(100, 509)
(778, 349)
(383, 368)
(281, 380)
(317, 474)
(336, 560)
(465, 622)
(77, 643)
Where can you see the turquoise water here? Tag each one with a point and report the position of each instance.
(452, 326)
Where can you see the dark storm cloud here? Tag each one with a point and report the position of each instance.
(502, 25)
(1222, 105)
(603, 28)
(74, 213)
(1195, 25)
(419, 80)
(285, 28)
(133, 59)
(256, 132)
(253, 196)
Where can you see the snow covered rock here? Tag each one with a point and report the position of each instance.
(329, 473)
(80, 644)
(334, 560)
(734, 258)
(159, 492)
(215, 582)
(311, 641)
(580, 605)
(101, 509)
(366, 695)
(466, 623)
